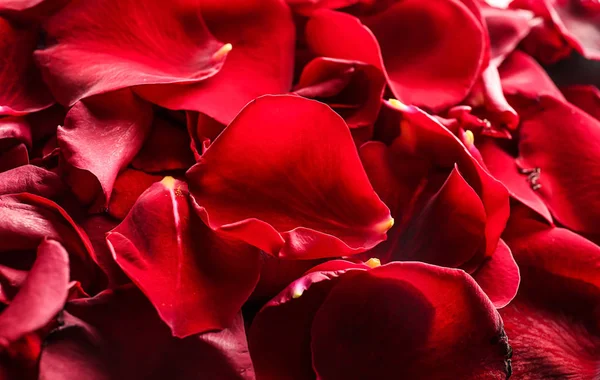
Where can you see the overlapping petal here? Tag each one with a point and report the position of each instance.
(285, 176)
(195, 279)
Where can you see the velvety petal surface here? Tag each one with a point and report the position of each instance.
(21, 87)
(585, 97)
(262, 35)
(99, 138)
(196, 280)
(101, 46)
(408, 320)
(285, 176)
(41, 296)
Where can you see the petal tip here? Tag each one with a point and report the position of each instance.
(385, 225)
(395, 103)
(222, 52)
(373, 262)
(168, 182)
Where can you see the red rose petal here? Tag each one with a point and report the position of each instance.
(353, 89)
(195, 280)
(279, 337)
(506, 28)
(14, 157)
(100, 137)
(321, 206)
(32, 179)
(585, 97)
(504, 168)
(564, 142)
(21, 87)
(128, 187)
(499, 276)
(92, 40)
(521, 75)
(166, 148)
(261, 61)
(42, 295)
(408, 320)
(430, 67)
(553, 322)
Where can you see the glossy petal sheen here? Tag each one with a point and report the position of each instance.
(99, 138)
(285, 176)
(428, 65)
(408, 320)
(100, 46)
(261, 61)
(21, 87)
(564, 142)
(42, 295)
(196, 280)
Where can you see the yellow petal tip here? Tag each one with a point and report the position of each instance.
(385, 226)
(168, 182)
(397, 104)
(373, 262)
(222, 52)
(469, 138)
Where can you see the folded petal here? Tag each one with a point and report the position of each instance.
(90, 50)
(440, 55)
(261, 62)
(521, 75)
(269, 180)
(351, 88)
(553, 322)
(21, 87)
(196, 280)
(506, 28)
(99, 138)
(42, 295)
(435, 317)
(561, 142)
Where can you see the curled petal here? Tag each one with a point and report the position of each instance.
(100, 137)
(42, 295)
(322, 206)
(196, 280)
(499, 276)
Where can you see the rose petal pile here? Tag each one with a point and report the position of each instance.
(298, 189)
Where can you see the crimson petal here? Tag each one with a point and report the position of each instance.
(100, 137)
(42, 295)
(585, 97)
(269, 180)
(196, 280)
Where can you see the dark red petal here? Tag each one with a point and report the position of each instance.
(553, 322)
(308, 6)
(276, 274)
(440, 55)
(408, 320)
(31, 179)
(521, 75)
(91, 50)
(353, 89)
(564, 142)
(10, 281)
(585, 97)
(27, 219)
(117, 330)
(130, 184)
(499, 276)
(279, 337)
(21, 87)
(14, 130)
(100, 137)
(321, 206)
(449, 230)
(504, 168)
(196, 280)
(262, 34)
(166, 148)
(42, 295)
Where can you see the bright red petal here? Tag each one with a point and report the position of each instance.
(269, 180)
(196, 280)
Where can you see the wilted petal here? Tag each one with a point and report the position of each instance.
(285, 176)
(196, 280)
(100, 137)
